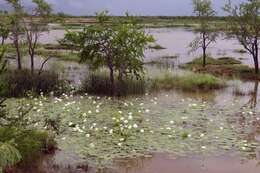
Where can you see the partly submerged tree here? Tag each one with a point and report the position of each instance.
(34, 24)
(244, 25)
(118, 45)
(204, 11)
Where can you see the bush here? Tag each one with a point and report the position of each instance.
(19, 83)
(99, 83)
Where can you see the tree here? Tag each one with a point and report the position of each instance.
(119, 45)
(15, 21)
(4, 32)
(203, 10)
(34, 24)
(244, 25)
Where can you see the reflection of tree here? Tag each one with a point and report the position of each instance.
(253, 101)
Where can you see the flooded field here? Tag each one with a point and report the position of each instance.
(168, 131)
(176, 42)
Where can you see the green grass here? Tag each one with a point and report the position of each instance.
(187, 82)
(65, 56)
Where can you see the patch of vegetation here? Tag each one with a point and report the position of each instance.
(228, 67)
(156, 47)
(213, 61)
(241, 51)
(62, 55)
(170, 57)
(99, 83)
(188, 82)
(19, 83)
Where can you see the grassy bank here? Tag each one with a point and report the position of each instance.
(227, 67)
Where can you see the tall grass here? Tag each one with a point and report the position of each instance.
(187, 81)
(99, 83)
(18, 83)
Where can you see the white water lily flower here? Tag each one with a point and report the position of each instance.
(203, 147)
(202, 135)
(70, 123)
(147, 111)
(126, 121)
(64, 138)
(120, 112)
(84, 114)
(221, 128)
(89, 112)
(171, 122)
(142, 130)
(87, 135)
(121, 139)
(189, 135)
(129, 127)
(111, 131)
(97, 111)
(135, 126)
(94, 102)
(130, 117)
(119, 144)
(92, 145)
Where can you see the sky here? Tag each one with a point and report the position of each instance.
(134, 7)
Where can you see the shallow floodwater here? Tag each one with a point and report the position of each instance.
(175, 40)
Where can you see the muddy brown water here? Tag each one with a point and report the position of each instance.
(158, 163)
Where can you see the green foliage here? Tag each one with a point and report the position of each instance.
(119, 45)
(9, 155)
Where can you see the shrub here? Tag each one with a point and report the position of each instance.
(19, 83)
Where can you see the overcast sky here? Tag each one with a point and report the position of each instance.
(134, 7)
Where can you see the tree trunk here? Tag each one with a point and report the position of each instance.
(3, 41)
(204, 50)
(18, 54)
(204, 57)
(256, 57)
(32, 63)
(112, 80)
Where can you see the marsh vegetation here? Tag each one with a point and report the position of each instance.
(82, 94)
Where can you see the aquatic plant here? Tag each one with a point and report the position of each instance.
(102, 129)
